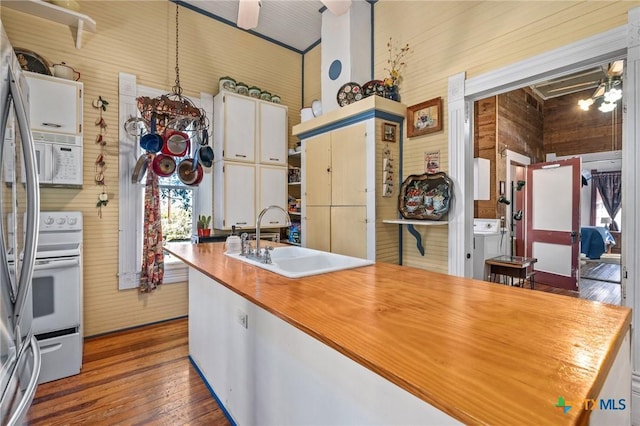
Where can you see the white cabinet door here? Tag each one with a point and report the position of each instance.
(234, 195)
(273, 192)
(239, 131)
(273, 133)
(54, 104)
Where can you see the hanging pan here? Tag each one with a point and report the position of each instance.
(152, 142)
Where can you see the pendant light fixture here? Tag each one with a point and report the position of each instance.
(608, 91)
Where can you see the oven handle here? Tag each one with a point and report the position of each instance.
(55, 264)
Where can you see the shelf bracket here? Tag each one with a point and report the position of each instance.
(417, 236)
(79, 34)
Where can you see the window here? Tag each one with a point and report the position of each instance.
(179, 203)
(601, 213)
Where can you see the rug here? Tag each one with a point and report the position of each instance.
(600, 271)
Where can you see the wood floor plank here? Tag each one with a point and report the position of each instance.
(140, 376)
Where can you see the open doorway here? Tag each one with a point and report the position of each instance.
(543, 122)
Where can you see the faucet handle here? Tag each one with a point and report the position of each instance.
(267, 254)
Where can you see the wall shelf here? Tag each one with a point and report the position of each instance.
(412, 230)
(55, 13)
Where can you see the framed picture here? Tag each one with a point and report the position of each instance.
(424, 118)
(389, 132)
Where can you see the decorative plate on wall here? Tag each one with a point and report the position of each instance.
(425, 196)
(31, 61)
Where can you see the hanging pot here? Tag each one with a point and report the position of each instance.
(186, 173)
(152, 142)
(164, 165)
(176, 143)
(205, 156)
(140, 169)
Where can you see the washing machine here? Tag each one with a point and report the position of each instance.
(489, 240)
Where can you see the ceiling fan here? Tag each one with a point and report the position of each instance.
(608, 89)
(249, 11)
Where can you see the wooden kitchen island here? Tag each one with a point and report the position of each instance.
(389, 344)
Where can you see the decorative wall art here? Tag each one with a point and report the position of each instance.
(425, 196)
(387, 173)
(432, 162)
(389, 132)
(425, 117)
(101, 161)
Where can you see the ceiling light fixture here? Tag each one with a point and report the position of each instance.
(248, 13)
(609, 93)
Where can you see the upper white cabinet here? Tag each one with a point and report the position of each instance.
(247, 127)
(55, 104)
(235, 127)
(273, 134)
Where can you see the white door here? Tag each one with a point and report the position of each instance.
(239, 128)
(273, 134)
(553, 221)
(273, 192)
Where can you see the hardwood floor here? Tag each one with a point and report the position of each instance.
(133, 377)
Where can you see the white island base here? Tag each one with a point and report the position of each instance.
(271, 373)
(265, 371)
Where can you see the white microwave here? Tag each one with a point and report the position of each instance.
(59, 159)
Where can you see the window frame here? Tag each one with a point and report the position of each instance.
(131, 195)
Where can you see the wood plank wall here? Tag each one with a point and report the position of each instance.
(138, 37)
(568, 130)
(447, 38)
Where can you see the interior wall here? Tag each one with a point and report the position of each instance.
(447, 38)
(139, 38)
(568, 130)
(312, 82)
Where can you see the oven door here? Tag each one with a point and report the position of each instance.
(56, 294)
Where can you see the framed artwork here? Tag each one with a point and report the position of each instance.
(425, 117)
(389, 132)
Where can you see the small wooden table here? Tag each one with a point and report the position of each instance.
(514, 267)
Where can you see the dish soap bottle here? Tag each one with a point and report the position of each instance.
(233, 243)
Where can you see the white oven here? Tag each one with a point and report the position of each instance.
(57, 294)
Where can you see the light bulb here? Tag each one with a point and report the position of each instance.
(613, 95)
(607, 106)
(585, 104)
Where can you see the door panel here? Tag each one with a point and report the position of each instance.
(317, 228)
(348, 165)
(349, 231)
(553, 220)
(318, 170)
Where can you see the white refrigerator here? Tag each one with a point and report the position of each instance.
(19, 353)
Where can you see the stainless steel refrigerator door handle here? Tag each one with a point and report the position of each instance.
(5, 277)
(33, 198)
(30, 391)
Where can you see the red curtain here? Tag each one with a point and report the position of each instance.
(152, 252)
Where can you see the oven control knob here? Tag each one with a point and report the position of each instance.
(48, 220)
(60, 221)
(72, 221)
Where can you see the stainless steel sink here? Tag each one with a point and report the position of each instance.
(297, 262)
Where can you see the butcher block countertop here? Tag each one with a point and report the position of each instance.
(483, 353)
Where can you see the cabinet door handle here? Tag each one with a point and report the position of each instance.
(241, 155)
(57, 126)
(328, 169)
(274, 159)
(274, 221)
(241, 223)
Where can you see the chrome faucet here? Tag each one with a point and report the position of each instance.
(257, 253)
